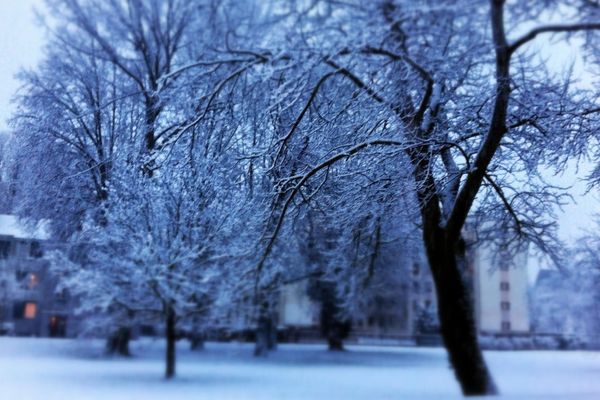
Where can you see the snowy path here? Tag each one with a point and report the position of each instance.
(75, 370)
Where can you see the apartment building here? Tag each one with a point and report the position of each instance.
(391, 316)
(29, 303)
(501, 291)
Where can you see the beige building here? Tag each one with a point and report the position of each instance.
(391, 317)
(295, 307)
(501, 291)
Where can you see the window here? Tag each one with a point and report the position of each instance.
(504, 286)
(415, 269)
(30, 310)
(505, 326)
(27, 310)
(4, 249)
(20, 275)
(18, 309)
(57, 326)
(62, 296)
(429, 287)
(505, 305)
(416, 286)
(35, 250)
(504, 266)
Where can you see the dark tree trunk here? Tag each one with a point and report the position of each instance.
(153, 110)
(333, 328)
(335, 339)
(171, 338)
(263, 335)
(152, 113)
(445, 248)
(446, 256)
(456, 313)
(197, 341)
(118, 342)
(272, 344)
(266, 329)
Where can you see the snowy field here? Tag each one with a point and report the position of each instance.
(47, 369)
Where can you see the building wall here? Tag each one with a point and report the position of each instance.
(501, 291)
(31, 306)
(390, 315)
(296, 308)
(387, 318)
(499, 281)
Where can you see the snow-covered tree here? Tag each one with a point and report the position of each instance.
(160, 253)
(567, 300)
(6, 170)
(474, 114)
(364, 121)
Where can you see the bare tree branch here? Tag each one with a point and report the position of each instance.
(559, 28)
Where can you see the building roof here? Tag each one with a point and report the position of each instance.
(10, 225)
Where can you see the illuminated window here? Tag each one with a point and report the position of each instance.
(30, 310)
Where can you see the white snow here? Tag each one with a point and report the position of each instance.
(52, 369)
(11, 226)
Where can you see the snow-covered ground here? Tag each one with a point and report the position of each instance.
(48, 369)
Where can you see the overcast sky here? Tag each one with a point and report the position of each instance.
(21, 40)
(20, 46)
(579, 214)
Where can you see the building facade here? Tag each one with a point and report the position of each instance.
(29, 303)
(499, 283)
(393, 316)
(501, 291)
(31, 306)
